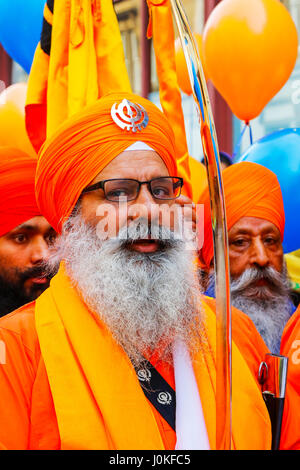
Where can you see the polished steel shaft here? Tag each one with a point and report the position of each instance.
(218, 219)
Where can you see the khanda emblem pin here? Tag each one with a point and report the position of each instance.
(130, 116)
(144, 375)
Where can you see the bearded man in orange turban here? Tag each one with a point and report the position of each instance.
(259, 282)
(25, 234)
(119, 352)
(255, 222)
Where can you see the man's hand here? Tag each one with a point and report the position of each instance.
(189, 209)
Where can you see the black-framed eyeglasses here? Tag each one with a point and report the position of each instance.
(123, 190)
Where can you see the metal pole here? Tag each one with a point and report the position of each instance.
(218, 218)
(145, 51)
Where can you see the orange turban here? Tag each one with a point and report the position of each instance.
(250, 190)
(83, 146)
(17, 196)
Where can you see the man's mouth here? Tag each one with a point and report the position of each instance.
(37, 277)
(144, 245)
(39, 280)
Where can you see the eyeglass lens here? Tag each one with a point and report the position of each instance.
(125, 189)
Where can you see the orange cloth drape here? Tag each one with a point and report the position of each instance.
(250, 190)
(160, 20)
(84, 145)
(27, 413)
(17, 194)
(79, 59)
(290, 347)
(111, 407)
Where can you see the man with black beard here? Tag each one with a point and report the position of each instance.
(119, 352)
(25, 235)
(23, 255)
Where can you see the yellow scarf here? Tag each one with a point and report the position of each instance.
(97, 397)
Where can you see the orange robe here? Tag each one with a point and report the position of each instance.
(254, 349)
(31, 420)
(28, 418)
(290, 347)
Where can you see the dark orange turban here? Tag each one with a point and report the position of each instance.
(17, 195)
(85, 144)
(250, 190)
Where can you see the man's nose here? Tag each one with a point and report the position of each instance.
(39, 251)
(259, 255)
(145, 206)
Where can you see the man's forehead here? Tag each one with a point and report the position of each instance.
(38, 223)
(253, 226)
(134, 164)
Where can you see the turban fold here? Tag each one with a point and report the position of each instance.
(250, 190)
(82, 147)
(17, 195)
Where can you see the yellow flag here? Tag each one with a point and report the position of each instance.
(79, 59)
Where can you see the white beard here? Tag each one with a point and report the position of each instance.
(269, 309)
(269, 318)
(146, 300)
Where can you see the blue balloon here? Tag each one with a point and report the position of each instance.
(280, 152)
(20, 29)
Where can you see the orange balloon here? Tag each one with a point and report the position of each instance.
(250, 49)
(12, 118)
(181, 67)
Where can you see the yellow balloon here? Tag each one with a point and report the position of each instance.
(12, 118)
(250, 49)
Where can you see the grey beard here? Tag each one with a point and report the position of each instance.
(269, 317)
(146, 300)
(268, 307)
(277, 283)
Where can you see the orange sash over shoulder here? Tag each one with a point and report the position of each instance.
(97, 397)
